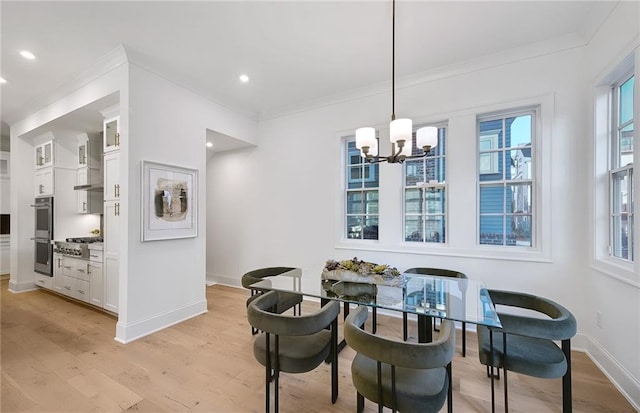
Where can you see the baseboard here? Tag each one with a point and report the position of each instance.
(624, 381)
(15, 287)
(128, 332)
(230, 281)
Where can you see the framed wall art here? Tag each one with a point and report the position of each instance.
(169, 202)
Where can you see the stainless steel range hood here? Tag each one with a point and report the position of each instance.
(90, 187)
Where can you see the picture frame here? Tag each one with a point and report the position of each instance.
(169, 202)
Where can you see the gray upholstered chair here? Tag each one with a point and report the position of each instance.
(285, 300)
(526, 344)
(440, 273)
(295, 344)
(409, 377)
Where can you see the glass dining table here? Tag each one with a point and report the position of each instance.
(427, 296)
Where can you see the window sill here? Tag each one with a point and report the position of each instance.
(621, 271)
(490, 253)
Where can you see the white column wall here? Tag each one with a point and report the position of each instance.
(614, 292)
(163, 282)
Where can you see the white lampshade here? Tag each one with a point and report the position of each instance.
(400, 129)
(365, 137)
(373, 150)
(427, 136)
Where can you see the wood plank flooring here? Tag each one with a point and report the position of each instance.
(60, 356)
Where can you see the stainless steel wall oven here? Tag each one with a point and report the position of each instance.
(43, 250)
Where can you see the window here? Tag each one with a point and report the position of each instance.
(621, 170)
(362, 180)
(505, 178)
(425, 194)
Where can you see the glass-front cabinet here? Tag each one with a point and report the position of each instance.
(111, 134)
(44, 155)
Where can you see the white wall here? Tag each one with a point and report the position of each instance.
(164, 281)
(614, 290)
(270, 208)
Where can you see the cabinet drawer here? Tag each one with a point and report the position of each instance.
(44, 281)
(81, 290)
(95, 255)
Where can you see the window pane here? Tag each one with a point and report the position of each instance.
(354, 227)
(371, 205)
(371, 177)
(520, 160)
(492, 199)
(621, 236)
(626, 145)
(519, 230)
(491, 230)
(489, 166)
(518, 131)
(413, 201)
(620, 187)
(519, 197)
(435, 202)
(492, 130)
(626, 101)
(413, 229)
(434, 229)
(370, 230)
(414, 172)
(435, 168)
(354, 202)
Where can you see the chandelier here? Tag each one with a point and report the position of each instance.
(400, 130)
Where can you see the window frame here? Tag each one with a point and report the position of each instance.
(533, 181)
(615, 168)
(346, 180)
(426, 186)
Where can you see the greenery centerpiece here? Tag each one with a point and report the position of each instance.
(356, 270)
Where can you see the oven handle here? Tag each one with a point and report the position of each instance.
(40, 206)
(40, 239)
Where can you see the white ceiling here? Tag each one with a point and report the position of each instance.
(294, 51)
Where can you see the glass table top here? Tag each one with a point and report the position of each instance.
(456, 299)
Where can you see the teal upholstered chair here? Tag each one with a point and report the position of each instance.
(294, 344)
(286, 301)
(526, 344)
(408, 377)
(440, 273)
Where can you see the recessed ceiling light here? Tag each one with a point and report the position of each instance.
(209, 144)
(3, 80)
(27, 54)
(244, 78)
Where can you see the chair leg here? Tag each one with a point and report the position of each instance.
(504, 367)
(276, 373)
(493, 400)
(404, 326)
(374, 321)
(334, 360)
(268, 374)
(567, 404)
(464, 339)
(359, 403)
(450, 392)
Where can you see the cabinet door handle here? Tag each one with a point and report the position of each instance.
(88, 269)
(84, 206)
(116, 190)
(67, 267)
(40, 281)
(66, 287)
(41, 188)
(117, 138)
(81, 270)
(116, 210)
(81, 291)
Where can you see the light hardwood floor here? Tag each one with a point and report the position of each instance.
(60, 356)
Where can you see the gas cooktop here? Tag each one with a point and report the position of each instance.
(85, 240)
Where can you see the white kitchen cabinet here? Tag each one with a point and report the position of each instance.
(111, 255)
(76, 278)
(112, 176)
(97, 283)
(44, 281)
(5, 248)
(57, 273)
(111, 134)
(89, 201)
(89, 152)
(44, 182)
(44, 155)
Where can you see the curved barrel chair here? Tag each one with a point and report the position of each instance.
(294, 344)
(526, 344)
(440, 273)
(285, 300)
(409, 377)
